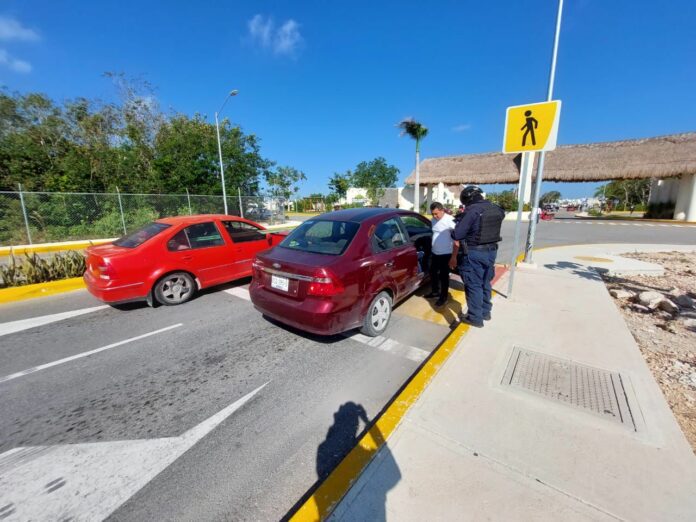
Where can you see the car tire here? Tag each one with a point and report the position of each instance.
(378, 315)
(175, 288)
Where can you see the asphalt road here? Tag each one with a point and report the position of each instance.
(149, 399)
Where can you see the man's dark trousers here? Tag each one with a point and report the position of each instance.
(440, 274)
(477, 271)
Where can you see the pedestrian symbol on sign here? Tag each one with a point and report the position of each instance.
(530, 125)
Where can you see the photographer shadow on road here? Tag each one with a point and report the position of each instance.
(348, 451)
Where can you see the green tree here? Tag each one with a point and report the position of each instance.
(417, 131)
(505, 199)
(628, 192)
(284, 181)
(374, 176)
(549, 197)
(340, 183)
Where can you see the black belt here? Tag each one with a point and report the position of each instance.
(489, 246)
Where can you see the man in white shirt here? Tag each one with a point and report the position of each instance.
(443, 224)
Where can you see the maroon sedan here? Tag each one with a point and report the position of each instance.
(343, 270)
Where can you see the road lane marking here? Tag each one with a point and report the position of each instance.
(239, 291)
(84, 354)
(33, 322)
(390, 345)
(89, 481)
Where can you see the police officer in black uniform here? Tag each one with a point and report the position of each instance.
(476, 236)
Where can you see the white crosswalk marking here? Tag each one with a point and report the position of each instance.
(390, 345)
(239, 291)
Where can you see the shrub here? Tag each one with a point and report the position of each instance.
(34, 269)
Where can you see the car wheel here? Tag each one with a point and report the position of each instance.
(378, 314)
(175, 288)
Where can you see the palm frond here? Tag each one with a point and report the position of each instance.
(412, 128)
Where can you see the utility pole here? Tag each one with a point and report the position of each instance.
(217, 128)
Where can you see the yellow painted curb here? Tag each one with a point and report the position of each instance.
(48, 247)
(20, 293)
(329, 493)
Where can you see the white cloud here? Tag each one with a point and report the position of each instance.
(15, 64)
(11, 29)
(462, 127)
(261, 30)
(285, 40)
(288, 38)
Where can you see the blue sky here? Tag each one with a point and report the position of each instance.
(324, 83)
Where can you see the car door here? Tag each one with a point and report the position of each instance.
(396, 258)
(201, 249)
(247, 240)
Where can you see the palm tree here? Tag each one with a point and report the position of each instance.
(417, 131)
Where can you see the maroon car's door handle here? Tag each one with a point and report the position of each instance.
(389, 264)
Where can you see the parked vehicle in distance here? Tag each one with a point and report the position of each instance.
(168, 260)
(343, 270)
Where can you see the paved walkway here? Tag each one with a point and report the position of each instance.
(547, 413)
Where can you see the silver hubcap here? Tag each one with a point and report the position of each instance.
(175, 289)
(380, 314)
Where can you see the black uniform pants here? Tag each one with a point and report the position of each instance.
(440, 274)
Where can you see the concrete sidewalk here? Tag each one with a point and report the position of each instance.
(547, 413)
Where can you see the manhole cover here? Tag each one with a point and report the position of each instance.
(591, 389)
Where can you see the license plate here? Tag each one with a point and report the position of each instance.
(280, 283)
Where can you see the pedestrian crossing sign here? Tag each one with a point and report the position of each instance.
(531, 127)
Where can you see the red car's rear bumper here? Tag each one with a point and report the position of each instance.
(315, 315)
(115, 291)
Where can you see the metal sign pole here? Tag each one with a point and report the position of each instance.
(241, 209)
(188, 198)
(540, 166)
(525, 170)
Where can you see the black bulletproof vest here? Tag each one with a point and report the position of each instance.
(491, 218)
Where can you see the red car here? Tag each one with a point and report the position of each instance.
(343, 270)
(169, 259)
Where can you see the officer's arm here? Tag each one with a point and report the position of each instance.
(462, 228)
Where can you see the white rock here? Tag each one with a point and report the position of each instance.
(620, 294)
(668, 306)
(685, 301)
(689, 323)
(640, 308)
(650, 299)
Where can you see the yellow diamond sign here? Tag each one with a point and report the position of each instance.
(531, 127)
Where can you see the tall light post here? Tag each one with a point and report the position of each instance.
(531, 231)
(217, 128)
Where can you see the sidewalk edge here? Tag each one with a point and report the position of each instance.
(20, 293)
(329, 493)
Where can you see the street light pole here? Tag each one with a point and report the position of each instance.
(540, 165)
(217, 129)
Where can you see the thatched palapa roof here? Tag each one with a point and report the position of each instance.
(660, 157)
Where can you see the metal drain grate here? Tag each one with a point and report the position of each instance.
(591, 389)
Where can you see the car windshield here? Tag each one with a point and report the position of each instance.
(321, 237)
(138, 237)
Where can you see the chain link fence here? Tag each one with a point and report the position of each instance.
(42, 217)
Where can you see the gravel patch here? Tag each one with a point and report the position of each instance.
(660, 312)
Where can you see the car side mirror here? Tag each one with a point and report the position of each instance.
(269, 238)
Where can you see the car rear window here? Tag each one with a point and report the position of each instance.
(321, 237)
(138, 237)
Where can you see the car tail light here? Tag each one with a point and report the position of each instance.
(105, 271)
(325, 284)
(257, 270)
